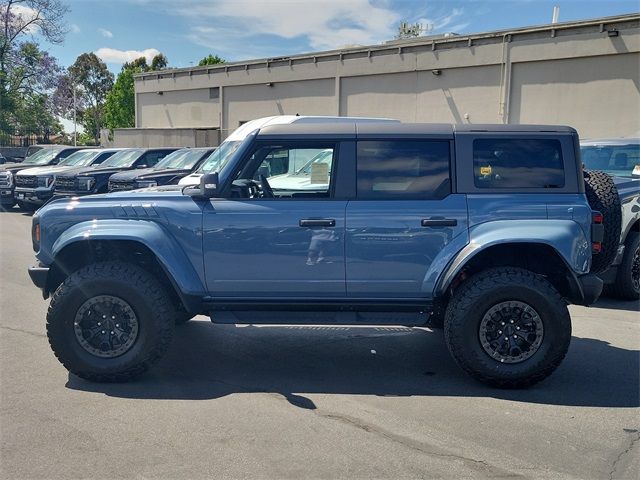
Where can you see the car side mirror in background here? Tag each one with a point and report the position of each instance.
(141, 166)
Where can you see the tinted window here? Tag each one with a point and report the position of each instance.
(403, 169)
(517, 163)
(617, 160)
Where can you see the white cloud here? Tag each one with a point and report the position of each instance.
(112, 55)
(326, 24)
(445, 23)
(242, 29)
(74, 28)
(105, 33)
(24, 15)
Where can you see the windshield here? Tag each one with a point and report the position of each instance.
(183, 159)
(125, 158)
(220, 157)
(618, 160)
(42, 157)
(79, 158)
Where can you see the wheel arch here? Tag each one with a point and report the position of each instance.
(536, 256)
(142, 243)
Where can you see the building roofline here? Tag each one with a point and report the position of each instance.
(393, 45)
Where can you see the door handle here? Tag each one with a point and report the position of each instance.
(439, 222)
(317, 222)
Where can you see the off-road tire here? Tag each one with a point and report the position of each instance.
(473, 299)
(602, 195)
(624, 287)
(130, 283)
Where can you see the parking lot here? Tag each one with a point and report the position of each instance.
(301, 402)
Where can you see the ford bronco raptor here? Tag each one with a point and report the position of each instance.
(485, 229)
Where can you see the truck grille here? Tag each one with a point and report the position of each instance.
(27, 181)
(5, 180)
(67, 184)
(121, 185)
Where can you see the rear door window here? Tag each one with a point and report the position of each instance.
(403, 169)
(517, 163)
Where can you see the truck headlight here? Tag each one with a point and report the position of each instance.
(9, 177)
(146, 183)
(86, 183)
(46, 181)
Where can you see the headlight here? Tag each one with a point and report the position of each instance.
(86, 183)
(146, 183)
(35, 232)
(46, 181)
(9, 178)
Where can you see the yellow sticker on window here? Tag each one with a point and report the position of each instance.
(485, 170)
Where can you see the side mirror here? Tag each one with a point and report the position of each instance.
(141, 166)
(209, 183)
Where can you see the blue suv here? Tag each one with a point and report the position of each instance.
(484, 229)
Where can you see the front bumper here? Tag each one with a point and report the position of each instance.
(39, 277)
(38, 196)
(6, 196)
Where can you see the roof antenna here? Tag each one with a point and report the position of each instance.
(556, 14)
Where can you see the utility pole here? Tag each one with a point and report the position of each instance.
(75, 135)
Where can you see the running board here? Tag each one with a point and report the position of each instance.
(318, 311)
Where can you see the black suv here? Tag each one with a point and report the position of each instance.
(90, 180)
(167, 172)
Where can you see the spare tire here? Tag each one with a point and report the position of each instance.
(602, 195)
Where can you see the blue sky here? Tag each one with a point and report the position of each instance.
(187, 30)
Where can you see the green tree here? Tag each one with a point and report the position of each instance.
(27, 72)
(159, 62)
(211, 60)
(119, 107)
(95, 81)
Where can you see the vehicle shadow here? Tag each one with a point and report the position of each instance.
(16, 210)
(211, 361)
(608, 303)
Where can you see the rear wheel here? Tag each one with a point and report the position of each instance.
(602, 195)
(109, 322)
(627, 284)
(507, 327)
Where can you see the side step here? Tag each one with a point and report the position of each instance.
(318, 311)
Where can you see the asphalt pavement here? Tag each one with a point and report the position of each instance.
(310, 402)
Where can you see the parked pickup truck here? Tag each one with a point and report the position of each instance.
(484, 228)
(36, 185)
(620, 158)
(90, 180)
(50, 155)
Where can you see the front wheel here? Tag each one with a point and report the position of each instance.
(109, 322)
(507, 327)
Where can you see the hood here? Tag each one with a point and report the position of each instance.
(15, 167)
(45, 169)
(93, 171)
(147, 174)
